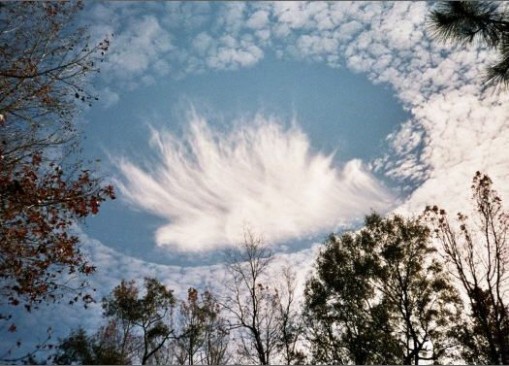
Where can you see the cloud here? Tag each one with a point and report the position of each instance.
(230, 53)
(209, 185)
(137, 50)
(140, 43)
(108, 97)
(213, 183)
(259, 20)
(454, 126)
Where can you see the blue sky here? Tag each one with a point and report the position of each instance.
(293, 119)
(230, 83)
(341, 113)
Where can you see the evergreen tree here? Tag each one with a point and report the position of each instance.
(469, 21)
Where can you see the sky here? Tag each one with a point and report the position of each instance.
(290, 119)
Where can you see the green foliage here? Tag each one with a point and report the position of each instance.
(203, 333)
(379, 296)
(469, 21)
(338, 307)
(150, 314)
(98, 349)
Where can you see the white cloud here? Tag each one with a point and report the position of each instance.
(455, 128)
(202, 42)
(210, 185)
(136, 50)
(258, 20)
(452, 126)
(231, 54)
(233, 16)
(184, 14)
(109, 97)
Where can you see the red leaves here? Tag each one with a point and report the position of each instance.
(36, 159)
(44, 62)
(13, 301)
(94, 206)
(37, 210)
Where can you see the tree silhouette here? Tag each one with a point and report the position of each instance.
(380, 296)
(149, 317)
(477, 249)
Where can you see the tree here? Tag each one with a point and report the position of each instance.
(217, 340)
(413, 281)
(379, 296)
(144, 329)
(344, 324)
(44, 62)
(149, 316)
(288, 319)
(102, 348)
(250, 301)
(38, 207)
(478, 252)
(193, 318)
(263, 310)
(469, 21)
(202, 333)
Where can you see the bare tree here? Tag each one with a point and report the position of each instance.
(290, 327)
(262, 304)
(478, 252)
(250, 301)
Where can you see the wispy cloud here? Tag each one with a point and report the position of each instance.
(388, 41)
(454, 129)
(209, 185)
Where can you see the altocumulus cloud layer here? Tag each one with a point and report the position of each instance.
(455, 128)
(211, 185)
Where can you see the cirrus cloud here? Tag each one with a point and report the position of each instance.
(209, 185)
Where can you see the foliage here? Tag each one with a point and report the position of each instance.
(202, 333)
(413, 280)
(102, 348)
(44, 62)
(144, 329)
(149, 315)
(478, 252)
(339, 317)
(377, 296)
(469, 21)
(38, 207)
